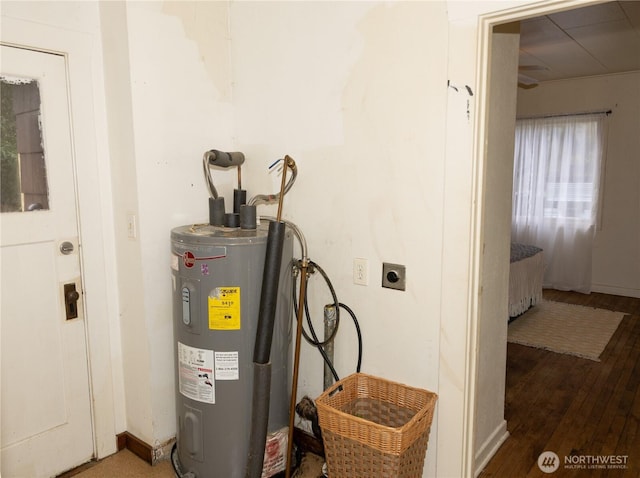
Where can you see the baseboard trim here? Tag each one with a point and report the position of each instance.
(622, 291)
(143, 450)
(135, 445)
(490, 447)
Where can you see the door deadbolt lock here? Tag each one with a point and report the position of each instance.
(71, 297)
(66, 248)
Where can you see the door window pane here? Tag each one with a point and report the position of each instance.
(23, 172)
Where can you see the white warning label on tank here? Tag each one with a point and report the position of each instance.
(195, 375)
(227, 367)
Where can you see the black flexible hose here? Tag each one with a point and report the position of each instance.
(357, 326)
(174, 450)
(313, 340)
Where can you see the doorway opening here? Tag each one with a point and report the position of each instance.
(487, 25)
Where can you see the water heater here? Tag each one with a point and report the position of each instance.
(217, 280)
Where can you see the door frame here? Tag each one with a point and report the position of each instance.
(93, 196)
(486, 23)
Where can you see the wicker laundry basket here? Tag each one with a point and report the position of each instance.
(372, 427)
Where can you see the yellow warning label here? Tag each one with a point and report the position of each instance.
(224, 308)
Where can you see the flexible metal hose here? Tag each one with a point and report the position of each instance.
(273, 198)
(206, 158)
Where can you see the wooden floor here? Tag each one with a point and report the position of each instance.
(577, 408)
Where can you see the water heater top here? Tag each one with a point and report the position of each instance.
(207, 234)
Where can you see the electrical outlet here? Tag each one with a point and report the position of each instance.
(361, 271)
(394, 276)
(132, 226)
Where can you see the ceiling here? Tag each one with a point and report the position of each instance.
(595, 40)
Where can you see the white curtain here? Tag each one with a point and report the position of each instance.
(557, 168)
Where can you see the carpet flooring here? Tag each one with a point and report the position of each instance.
(125, 464)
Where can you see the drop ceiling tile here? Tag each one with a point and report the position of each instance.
(603, 12)
(632, 11)
(532, 67)
(527, 60)
(614, 44)
(599, 39)
(538, 31)
(566, 59)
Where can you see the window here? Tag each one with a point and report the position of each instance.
(22, 166)
(557, 167)
(556, 187)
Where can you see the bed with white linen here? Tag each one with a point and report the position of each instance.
(525, 278)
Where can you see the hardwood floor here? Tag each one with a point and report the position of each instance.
(579, 409)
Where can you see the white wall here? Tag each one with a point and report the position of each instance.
(491, 427)
(179, 111)
(134, 337)
(170, 94)
(363, 119)
(360, 109)
(616, 251)
(356, 94)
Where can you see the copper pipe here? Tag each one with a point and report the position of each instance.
(288, 161)
(296, 363)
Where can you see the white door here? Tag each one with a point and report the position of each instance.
(44, 382)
